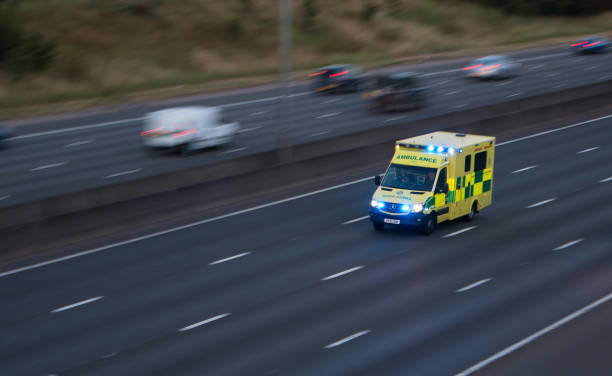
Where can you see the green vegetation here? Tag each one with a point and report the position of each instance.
(548, 7)
(92, 51)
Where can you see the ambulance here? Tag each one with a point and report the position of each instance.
(434, 178)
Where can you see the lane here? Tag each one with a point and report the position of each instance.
(116, 146)
(283, 310)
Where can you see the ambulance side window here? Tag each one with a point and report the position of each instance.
(480, 161)
(468, 163)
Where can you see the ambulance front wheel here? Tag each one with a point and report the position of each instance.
(429, 225)
(378, 226)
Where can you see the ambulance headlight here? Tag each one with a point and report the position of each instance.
(417, 208)
(405, 208)
(373, 203)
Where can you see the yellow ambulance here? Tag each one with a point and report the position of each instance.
(434, 178)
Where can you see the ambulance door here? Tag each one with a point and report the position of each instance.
(441, 195)
(463, 184)
(482, 178)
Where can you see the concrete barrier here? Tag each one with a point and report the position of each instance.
(247, 175)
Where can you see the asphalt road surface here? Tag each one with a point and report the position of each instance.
(74, 153)
(306, 287)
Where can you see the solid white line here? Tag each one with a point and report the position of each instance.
(215, 318)
(179, 228)
(52, 165)
(514, 95)
(345, 340)
(356, 220)
(4, 197)
(524, 169)
(568, 244)
(122, 173)
(459, 232)
(229, 258)
(534, 336)
(234, 150)
(78, 143)
(78, 128)
(601, 181)
(555, 130)
(588, 150)
(541, 203)
(248, 129)
(475, 284)
(342, 273)
(77, 304)
(328, 115)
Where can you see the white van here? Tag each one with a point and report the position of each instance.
(187, 128)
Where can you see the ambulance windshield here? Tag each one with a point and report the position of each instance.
(409, 177)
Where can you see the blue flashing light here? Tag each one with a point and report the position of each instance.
(451, 151)
(380, 205)
(440, 149)
(405, 208)
(430, 148)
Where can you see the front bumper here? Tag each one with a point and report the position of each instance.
(412, 219)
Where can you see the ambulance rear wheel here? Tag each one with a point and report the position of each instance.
(378, 226)
(470, 216)
(429, 225)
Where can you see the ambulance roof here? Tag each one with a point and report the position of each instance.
(447, 139)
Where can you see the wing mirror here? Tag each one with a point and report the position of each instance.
(377, 179)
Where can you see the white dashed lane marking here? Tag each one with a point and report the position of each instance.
(234, 150)
(245, 130)
(568, 244)
(319, 133)
(122, 173)
(52, 165)
(79, 143)
(541, 203)
(230, 258)
(459, 232)
(328, 115)
(524, 169)
(356, 220)
(346, 339)
(204, 322)
(4, 197)
(342, 273)
(332, 100)
(259, 113)
(588, 150)
(475, 284)
(606, 180)
(514, 95)
(77, 304)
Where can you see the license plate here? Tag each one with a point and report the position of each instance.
(392, 221)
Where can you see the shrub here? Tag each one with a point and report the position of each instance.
(368, 10)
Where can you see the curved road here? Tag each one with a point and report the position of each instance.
(306, 286)
(73, 154)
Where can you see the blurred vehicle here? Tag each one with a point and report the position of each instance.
(340, 78)
(400, 91)
(5, 134)
(187, 129)
(434, 178)
(492, 67)
(591, 44)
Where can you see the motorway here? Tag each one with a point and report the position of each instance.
(305, 286)
(67, 154)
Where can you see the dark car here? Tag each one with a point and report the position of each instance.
(340, 78)
(400, 91)
(591, 44)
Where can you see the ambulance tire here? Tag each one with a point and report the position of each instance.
(430, 224)
(378, 226)
(470, 216)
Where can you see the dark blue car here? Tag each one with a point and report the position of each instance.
(591, 44)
